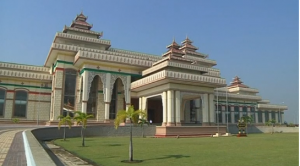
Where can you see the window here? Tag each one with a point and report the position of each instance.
(218, 113)
(2, 101)
(69, 90)
(193, 111)
(20, 105)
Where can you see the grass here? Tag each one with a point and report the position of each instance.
(257, 149)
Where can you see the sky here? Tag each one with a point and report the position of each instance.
(255, 40)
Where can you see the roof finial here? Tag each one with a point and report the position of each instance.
(186, 36)
(173, 39)
(81, 12)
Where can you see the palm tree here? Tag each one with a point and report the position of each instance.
(247, 119)
(66, 120)
(142, 122)
(81, 118)
(132, 115)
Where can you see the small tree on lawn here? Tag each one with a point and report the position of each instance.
(133, 116)
(143, 121)
(272, 122)
(64, 120)
(81, 118)
(247, 120)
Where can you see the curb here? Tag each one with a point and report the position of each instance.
(29, 158)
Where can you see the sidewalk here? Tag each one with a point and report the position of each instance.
(12, 151)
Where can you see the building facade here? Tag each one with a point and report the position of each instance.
(82, 72)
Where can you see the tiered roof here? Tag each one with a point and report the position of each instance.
(237, 83)
(80, 22)
(173, 50)
(187, 45)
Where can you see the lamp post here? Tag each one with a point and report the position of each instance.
(226, 107)
(218, 111)
(280, 119)
(37, 122)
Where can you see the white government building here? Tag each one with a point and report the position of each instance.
(82, 72)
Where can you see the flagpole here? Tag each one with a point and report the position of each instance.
(227, 111)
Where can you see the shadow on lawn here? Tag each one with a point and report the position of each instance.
(176, 156)
(114, 144)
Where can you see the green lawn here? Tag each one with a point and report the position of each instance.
(279, 149)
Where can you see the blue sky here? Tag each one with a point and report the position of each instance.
(255, 40)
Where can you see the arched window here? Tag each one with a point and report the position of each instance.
(93, 98)
(69, 90)
(2, 101)
(20, 104)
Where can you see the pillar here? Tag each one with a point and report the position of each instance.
(276, 117)
(128, 94)
(256, 117)
(85, 94)
(232, 115)
(198, 115)
(241, 111)
(164, 103)
(205, 115)
(212, 109)
(223, 117)
(107, 97)
(177, 108)
(263, 117)
(270, 116)
(170, 108)
(282, 118)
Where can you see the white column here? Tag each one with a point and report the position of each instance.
(84, 91)
(178, 107)
(232, 117)
(270, 116)
(282, 118)
(263, 116)
(276, 117)
(212, 113)
(205, 112)
(128, 96)
(256, 117)
(223, 117)
(198, 112)
(107, 97)
(170, 102)
(164, 103)
(241, 111)
(140, 103)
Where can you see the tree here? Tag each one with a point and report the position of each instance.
(272, 122)
(247, 119)
(133, 116)
(142, 122)
(81, 118)
(66, 120)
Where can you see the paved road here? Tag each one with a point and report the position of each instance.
(12, 151)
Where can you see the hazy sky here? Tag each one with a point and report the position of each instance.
(256, 40)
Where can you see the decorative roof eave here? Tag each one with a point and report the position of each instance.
(83, 38)
(16, 66)
(188, 46)
(195, 53)
(208, 61)
(238, 96)
(83, 24)
(115, 52)
(150, 57)
(179, 65)
(217, 82)
(100, 34)
(110, 58)
(25, 75)
(243, 89)
(272, 106)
